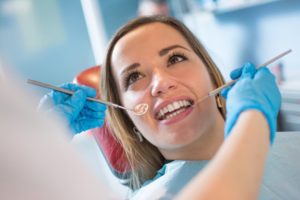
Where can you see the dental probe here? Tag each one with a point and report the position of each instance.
(218, 90)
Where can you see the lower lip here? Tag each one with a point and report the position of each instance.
(178, 117)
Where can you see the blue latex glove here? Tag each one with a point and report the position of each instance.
(80, 114)
(256, 89)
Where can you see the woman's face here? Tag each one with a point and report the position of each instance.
(154, 64)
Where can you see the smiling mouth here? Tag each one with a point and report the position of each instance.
(173, 109)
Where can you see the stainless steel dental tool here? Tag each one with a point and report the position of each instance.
(139, 109)
(219, 89)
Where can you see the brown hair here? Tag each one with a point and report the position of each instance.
(144, 158)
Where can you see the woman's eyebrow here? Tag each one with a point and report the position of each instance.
(130, 67)
(164, 51)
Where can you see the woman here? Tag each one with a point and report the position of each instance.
(157, 60)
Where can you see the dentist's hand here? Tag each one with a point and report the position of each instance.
(256, 89)
(80, 114)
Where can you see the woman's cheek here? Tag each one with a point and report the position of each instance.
(131, 99)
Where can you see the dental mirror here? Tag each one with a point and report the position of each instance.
(139, 109)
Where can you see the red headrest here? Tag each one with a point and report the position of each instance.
(111, 149)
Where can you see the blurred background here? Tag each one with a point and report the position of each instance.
(54, 40)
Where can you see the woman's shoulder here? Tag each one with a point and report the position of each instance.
(170, 179)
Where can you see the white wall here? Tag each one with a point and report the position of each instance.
(253, 34)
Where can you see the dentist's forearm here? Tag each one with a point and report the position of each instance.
(236, 170)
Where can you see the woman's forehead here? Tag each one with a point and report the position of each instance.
(154, 36)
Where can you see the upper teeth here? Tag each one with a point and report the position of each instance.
(173, 106)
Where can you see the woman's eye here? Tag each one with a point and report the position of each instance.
(132, 78)
(175, 59)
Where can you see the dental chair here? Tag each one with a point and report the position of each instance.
(111, 150)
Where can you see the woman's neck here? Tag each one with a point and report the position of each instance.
(205, 147)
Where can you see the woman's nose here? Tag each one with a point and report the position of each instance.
(162, 84)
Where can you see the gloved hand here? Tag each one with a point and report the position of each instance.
(80, 114)
(256, 89)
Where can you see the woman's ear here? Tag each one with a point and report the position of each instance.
(218, 100)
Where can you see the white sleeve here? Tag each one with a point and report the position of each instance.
(37, 160)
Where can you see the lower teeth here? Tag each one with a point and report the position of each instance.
(174, 114)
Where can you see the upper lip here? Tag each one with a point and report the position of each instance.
(163, 104)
